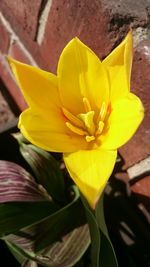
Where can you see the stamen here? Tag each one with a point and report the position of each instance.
(88, 119)
(100, 127)
(75, 129)
(75, 120)
(87, 105)
(102, 112)
(89, 138)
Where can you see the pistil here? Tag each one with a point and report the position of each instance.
(84, 123)
(88, 119)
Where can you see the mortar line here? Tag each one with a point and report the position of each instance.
(15, 38)
(140, 168)
(42, 22)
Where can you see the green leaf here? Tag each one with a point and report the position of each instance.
(20, 138)
(46, 170)
(17, 215)
(94, 233)
(102, 252)
(21, 253)
(107, 253)
(19, 257)
(99, 213)
(59, 240)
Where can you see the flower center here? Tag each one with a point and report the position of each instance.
(86, 124)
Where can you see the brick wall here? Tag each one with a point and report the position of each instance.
(36, 31)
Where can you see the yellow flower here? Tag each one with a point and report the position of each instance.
(86, 111)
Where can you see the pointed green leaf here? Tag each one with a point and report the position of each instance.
(16, 215)
(102, 252)
(107, 253)
(99, 213)
(19, 257)
(20, 138)
(94, 233)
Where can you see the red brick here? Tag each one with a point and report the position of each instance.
(4, 38)
(6, 115)
(68, 19)
(22, 15)
(18, 53)
(138, 147)
(10, 83)
(100, 24)
(142, 187)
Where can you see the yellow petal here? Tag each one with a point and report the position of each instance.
(119, 64)
(90, 170)
(127, 114)
(122, 54)
(49, 132)
(119, 86)
(38, 87)
(81, 75)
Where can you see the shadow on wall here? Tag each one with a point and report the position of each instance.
(127, 225)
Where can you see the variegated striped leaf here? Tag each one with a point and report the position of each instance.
(58, 241)
(16, 184)
(46, 170)
(29, 263)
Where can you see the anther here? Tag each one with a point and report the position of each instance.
(75, 120)
(102, 112)
(100, 127)
(89, 138)
(75, 129)
(87, 105)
